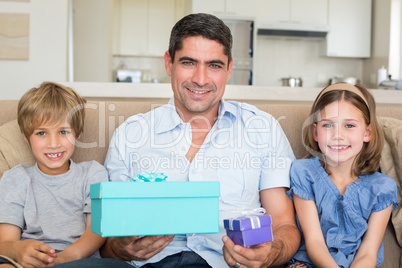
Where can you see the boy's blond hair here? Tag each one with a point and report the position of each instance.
(51, 103)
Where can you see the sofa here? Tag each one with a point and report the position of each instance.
(102, 117)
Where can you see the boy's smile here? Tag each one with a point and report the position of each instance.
(53, 145)
(55, 156)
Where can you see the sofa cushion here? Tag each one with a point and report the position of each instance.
(13, 149)
(391, 164)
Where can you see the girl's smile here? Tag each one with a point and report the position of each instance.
(341, 133)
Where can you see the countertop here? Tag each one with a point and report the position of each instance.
(162, 92)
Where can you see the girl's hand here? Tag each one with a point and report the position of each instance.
(366, 255)
(316, 246)
(32, 253)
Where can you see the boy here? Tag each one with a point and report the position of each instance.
(45, 209)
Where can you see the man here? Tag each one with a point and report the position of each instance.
(199, 136)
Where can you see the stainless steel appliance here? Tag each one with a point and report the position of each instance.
(349, 80)
(242, 51)
(292, 81)
(389, 83)
(128, 76)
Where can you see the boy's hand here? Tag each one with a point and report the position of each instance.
(32, 253)
(62, 257)
(58, 260)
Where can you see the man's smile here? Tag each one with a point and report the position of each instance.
(197, 92)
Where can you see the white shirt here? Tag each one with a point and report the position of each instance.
(246, 151)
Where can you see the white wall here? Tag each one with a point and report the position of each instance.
(47, 47)
(380, 40)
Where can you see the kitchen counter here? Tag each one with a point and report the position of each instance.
(162, 92)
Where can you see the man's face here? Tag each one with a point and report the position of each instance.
(199, 74)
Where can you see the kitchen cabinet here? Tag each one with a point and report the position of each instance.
(350, 32)
(312, 12)
(142, 28)
(92, 35)
(215, 7)
(236, 9)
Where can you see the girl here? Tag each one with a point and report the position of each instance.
(342, 203)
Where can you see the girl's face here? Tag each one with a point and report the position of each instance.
(340, 133)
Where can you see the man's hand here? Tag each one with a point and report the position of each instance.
(255, 256)
(284, 229)
(32, 253)
(135, 248)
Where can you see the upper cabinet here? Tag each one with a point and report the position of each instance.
(309, 11)
(236, 9)
(350, 32)
(312, 12)
(142, 28)
(348, 22)
(215, 7)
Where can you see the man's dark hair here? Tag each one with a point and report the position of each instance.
(201, 24)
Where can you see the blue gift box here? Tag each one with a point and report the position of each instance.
(249, 230)
(154, 208)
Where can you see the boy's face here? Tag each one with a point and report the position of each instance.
(53, 144)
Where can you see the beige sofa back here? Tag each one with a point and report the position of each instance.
(102, 118)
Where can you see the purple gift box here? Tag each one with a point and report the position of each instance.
(249, 230)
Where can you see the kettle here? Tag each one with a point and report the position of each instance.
(292, 82)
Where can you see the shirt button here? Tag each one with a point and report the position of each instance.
(183, 148)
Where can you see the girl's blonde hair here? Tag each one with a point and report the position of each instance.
(50, 103)
(368, 160)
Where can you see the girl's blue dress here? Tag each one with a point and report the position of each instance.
(343, 218)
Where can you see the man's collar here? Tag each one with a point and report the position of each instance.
(227, 113)
(170, 119)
